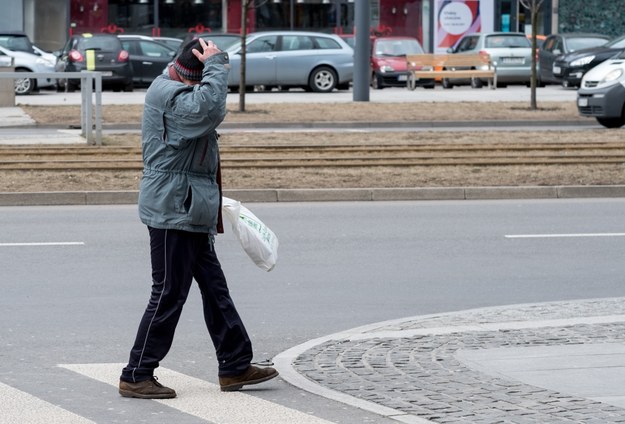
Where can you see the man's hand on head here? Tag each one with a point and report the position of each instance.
(209, 49)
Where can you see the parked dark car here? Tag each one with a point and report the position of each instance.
(171, 42)
(559, 44)
(602, 92)
(570, 68)
(388, 62)
(95, 52)
(148, 58)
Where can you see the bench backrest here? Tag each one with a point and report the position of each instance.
(444, 60)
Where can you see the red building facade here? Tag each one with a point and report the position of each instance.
(177, 17)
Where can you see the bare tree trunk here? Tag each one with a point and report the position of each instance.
(534, 7)
(244, 8)
(533, 104)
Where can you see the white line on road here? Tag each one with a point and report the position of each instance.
(19, 408)
(51, 243)
(205, 400)
(565, 235)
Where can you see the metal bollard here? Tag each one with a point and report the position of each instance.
(7, 85)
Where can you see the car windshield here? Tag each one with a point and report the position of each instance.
(400, 47)
(107, 44)
(498, 41)
(16, 43)
(223, 42)
(617, 43)
(575, 44)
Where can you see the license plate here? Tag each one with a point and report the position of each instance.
(513, 60)
(582, 102)
(107, 73)
(402, 78)
(556, 70)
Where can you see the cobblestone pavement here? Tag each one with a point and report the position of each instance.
(409, 370)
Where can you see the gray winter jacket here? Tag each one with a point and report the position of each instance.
(179, 188)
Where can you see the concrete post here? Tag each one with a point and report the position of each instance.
(362, 51)
(7, 85)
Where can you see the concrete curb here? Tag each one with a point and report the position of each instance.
(329, 195)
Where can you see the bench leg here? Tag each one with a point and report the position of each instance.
(494, 82)
(411, 84)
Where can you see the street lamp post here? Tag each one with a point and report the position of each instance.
(361, 51)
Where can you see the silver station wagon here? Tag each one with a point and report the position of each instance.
(293, 59)
(510, 53)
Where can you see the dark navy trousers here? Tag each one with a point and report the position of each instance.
(178, 257)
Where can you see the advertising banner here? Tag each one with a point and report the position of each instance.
(454, 18)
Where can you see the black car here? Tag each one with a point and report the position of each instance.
(559, 44)
(148, 57)
(570, 68)
(95, 52)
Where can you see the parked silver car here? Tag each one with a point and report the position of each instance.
(510, 52)
(310, 60)
(29, 62)
(602, 92)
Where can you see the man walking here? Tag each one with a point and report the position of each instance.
(180, 202)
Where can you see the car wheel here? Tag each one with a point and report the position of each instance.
(612, 122)
(24, 85)
(322, 80)
(446, 83)
(375, 82)
(128, 87)
(71, 87)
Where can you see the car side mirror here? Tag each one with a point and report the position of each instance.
(557, 51)
(450, 50)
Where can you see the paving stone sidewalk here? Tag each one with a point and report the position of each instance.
(415, 366)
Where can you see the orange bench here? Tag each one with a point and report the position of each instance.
(433, 66)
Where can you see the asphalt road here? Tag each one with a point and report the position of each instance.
(75, 281)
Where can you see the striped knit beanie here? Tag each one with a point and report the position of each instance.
(187, 65)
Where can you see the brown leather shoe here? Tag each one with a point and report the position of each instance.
(252, 375)
(148, 389)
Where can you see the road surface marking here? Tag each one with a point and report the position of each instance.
(19, 407)
(205, 400)
(565, 235)
(51, 243)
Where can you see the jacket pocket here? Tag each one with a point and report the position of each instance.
(202, 201)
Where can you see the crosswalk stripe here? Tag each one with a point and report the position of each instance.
(19, 407)
(205, 400)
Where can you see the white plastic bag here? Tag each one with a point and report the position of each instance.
(258, 241)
